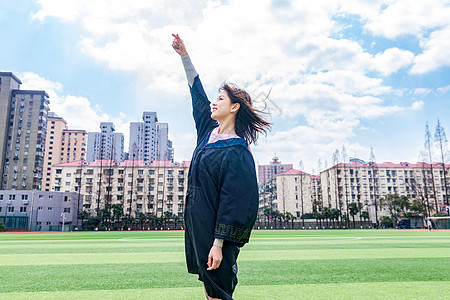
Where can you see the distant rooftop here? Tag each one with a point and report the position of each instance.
(31, 92)
(292, 172)
(11, 74)
(387, 164)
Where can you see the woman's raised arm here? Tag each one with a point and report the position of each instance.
(201, 109)
(180, 48)
(178, 45)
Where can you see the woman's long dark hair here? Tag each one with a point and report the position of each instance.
(248, 122)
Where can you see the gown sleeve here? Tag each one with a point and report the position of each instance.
(238, 197)
(201, 110)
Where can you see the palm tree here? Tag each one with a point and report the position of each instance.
(135, 222)
(117, 213)
(345, 218)
(288, 216)
(353, 210)
(280, 216)
(84, 215)
(276, 216)
(175, 219)
(142, 218)
(105, 216)
(318, 217)
(267, 214)
(365, 216)
(126, 220)
(335, 214)
(152, 219)
(167, 216)
(326, 213)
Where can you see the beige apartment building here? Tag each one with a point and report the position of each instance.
(292, 191)
(152, 188)
(363, 183)
(62, 145)
(366, 183)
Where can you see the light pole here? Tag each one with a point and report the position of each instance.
(63, 219)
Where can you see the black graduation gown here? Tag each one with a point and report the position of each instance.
(221, 200)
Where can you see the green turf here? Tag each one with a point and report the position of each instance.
(274, 265)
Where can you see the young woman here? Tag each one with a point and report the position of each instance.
(222, 196)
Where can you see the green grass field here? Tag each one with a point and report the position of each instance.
(352, 264)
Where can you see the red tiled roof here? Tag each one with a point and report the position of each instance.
(127, 163)
(390, 165)
(292, 172)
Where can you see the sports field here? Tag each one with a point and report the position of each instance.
(351, 264)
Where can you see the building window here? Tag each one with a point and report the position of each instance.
(23, 209)
(10, 209)
(67, 209)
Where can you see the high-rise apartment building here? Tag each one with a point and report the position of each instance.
(62, 145)
(23, 115)
(149, 139)
(268, 172)
(106, 144)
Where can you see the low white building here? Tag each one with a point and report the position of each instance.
(34, 210)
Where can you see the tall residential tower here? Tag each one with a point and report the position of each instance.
(106, 144)
(62, 145)
(23, 122)
(149, 139)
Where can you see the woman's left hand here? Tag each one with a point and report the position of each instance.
(214, 258)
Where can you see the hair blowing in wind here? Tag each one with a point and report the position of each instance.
(248, 123)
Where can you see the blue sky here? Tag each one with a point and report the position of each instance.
(344, 73)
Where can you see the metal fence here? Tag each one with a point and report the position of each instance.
(15, 222)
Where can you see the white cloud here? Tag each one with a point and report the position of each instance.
(394, 18)
(417, 105)
(436, 53)
(391, 60)
(422, 91)
(444, 89)
(297, 47)
(427, 21)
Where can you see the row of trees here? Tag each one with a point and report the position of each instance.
(326, 218)
(398, 207)
(115, 219)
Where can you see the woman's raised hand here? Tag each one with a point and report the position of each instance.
(178, 45)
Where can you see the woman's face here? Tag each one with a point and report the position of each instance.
(223, 108)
